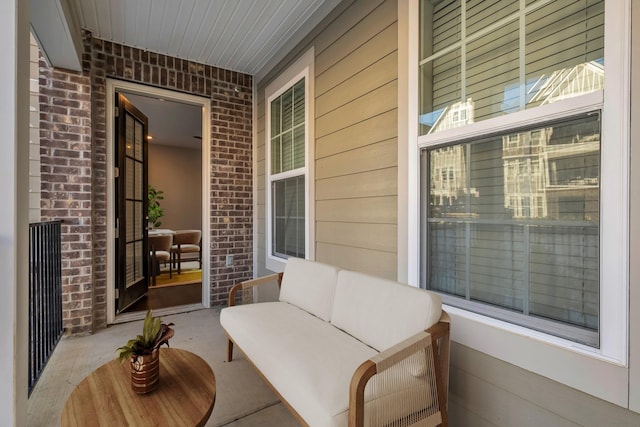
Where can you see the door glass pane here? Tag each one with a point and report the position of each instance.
(129, 129)
(130, 267)
(139, 261)
(130, 221)
(129, 178)
(139, 142)
(139, 183)
(140, 221)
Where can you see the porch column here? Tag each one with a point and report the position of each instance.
(14, 214)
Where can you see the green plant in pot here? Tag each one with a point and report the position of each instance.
(154, 211)
(143, 352)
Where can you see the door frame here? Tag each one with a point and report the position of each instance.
(112, 87)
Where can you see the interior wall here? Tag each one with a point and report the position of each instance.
(178, 172)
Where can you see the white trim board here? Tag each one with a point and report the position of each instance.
(112, 87)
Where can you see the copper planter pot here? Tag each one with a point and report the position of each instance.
(145, 372)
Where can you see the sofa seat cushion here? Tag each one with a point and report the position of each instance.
(380, 312)
(306, 359)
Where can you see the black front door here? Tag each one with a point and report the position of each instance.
(132, 278)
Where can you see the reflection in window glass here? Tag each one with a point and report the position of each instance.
(481, 60)
(289, 217)
(513, 222)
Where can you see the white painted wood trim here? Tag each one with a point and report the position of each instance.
(14, 211)
(408, 154)
(254, 155)
(302, 67)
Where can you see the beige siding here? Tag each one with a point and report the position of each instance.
(368, 184)
(372, 210)
(373, 262)
(355, 82)
(488, 392)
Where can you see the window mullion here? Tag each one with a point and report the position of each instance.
(522, 56)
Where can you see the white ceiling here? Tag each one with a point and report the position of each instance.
(170, 123)
(240, 35)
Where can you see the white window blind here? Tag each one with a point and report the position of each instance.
(492, 57)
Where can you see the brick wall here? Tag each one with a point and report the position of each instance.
(231, 164)
(66, 173)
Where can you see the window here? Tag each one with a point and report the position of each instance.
(288, 158)
(519, 234)
(524, 245)
(484, 59)
(287, 138)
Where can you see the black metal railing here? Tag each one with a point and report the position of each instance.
(45, 295)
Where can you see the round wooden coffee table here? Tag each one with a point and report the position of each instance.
(185, 396)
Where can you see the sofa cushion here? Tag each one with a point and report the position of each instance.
(309, 285)
(380, 312)
(307, 360)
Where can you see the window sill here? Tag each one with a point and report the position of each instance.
(554, 358)
(276, 265)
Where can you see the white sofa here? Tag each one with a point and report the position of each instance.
(343, 348)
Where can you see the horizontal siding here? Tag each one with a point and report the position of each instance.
(377, 263)
(367, 80)
(380, 237)
(372, 157)
(380, 46)
(336, 28)
(373, 103)
(375, 129)
(491, 392)
(370, 184)
(371, 210)
(380, 18)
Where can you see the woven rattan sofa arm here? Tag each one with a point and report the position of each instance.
(250, 284)
(436, 337)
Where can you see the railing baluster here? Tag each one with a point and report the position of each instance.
(45, 295)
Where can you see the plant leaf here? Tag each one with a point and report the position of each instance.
(164, 336)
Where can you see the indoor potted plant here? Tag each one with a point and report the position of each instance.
(154, 211)
(143, 352)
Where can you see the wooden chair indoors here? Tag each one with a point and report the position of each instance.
(186, 247)
(160, 250)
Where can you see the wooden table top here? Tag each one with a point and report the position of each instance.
(185, 396)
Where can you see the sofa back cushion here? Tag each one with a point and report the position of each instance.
(310, 286)
(380, 312)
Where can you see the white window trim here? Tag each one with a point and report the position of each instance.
(555, 358)
(303, 67)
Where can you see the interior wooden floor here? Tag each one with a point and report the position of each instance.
(169, 296)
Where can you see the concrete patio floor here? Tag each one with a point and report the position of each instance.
(242, 398)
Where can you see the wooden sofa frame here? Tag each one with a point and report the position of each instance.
(439, 342)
